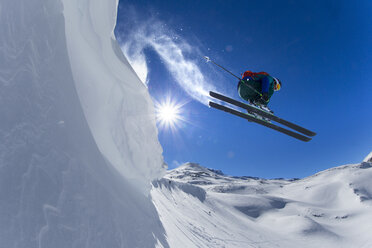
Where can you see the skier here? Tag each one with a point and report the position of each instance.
(258, 87)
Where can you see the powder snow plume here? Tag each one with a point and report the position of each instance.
(179, 57)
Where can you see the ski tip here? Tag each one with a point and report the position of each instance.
(312, 134)
(211, 93)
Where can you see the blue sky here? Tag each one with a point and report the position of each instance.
(321, 51)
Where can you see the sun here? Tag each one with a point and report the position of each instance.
(169, 114)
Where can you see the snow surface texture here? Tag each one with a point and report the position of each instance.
(200, 207)
(76, 130)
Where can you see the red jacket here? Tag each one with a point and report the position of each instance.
(252, 74)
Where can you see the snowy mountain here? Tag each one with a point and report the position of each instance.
(200, 207)
(368, 158)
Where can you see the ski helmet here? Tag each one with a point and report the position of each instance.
(277, 84)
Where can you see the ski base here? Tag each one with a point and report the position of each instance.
(259, 121)
(262, 113)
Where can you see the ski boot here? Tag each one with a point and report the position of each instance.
(264, 108)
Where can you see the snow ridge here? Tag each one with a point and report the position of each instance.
(116, 104)
(69, 156)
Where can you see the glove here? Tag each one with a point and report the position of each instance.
(265, 97)
(264, 100)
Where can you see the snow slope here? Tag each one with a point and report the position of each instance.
(79, 144)
(205, 208)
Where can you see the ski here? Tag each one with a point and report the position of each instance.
(259, 121)
(262, 113)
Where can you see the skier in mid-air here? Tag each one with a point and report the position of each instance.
(258, 87)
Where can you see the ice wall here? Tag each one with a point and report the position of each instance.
(76, 131)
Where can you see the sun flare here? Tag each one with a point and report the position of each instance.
(169, 114)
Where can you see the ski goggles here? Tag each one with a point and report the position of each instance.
(277, 87)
